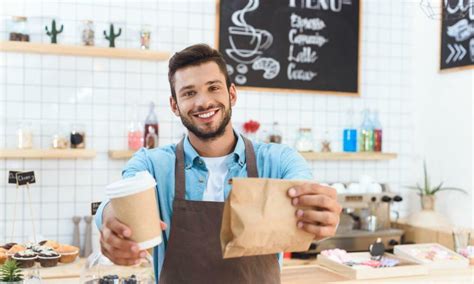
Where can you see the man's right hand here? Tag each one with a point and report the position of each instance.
(115, 243)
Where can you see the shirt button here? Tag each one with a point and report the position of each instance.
(200, 162)
(201, 180)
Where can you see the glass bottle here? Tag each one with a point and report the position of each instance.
(275, 135)
(377, 132)
(349, 143)
(304, 142)
(135, 132)
(25, 135)
(145, 35)
(151, 122)
(366, 134)
(88, 33)
(151, 139)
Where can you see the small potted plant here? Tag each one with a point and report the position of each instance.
(428, 217)
(10, 273)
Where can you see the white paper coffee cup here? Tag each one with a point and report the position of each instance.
(135, 204)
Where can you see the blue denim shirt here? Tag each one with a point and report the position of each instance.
(273, 161)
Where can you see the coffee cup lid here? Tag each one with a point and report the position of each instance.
(132, 185)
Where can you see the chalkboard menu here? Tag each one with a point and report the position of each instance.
(291, 44)
(457, 34)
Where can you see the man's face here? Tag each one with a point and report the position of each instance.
(203, 101)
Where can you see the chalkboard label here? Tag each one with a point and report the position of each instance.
(25, 178)
(457, 34)
(94, 207)
(12, 176)
(291, 44)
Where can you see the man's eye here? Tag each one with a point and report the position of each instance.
(190, 93)
(214, 88)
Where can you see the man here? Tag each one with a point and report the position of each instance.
(193, 180)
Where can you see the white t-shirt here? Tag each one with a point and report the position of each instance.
(217, 168)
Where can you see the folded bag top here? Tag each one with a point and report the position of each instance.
(259, 219)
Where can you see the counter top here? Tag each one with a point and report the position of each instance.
(307, 271)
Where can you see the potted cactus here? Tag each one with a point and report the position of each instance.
(10, 273)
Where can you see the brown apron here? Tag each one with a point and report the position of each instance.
(194, 252)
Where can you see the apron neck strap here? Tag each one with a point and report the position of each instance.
(179, 173)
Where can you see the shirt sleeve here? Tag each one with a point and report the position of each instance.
(294, 166)
(139, 162)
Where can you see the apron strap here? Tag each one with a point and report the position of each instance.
(179, 171)
(250, 159)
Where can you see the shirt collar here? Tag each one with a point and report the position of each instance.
(191, 156)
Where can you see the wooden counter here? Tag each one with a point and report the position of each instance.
(302, 272)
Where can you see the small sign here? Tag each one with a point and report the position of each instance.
(94, 207)
(12, 176)
(25, 178)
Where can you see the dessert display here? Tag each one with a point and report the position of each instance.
(47, 253)
(25, 258)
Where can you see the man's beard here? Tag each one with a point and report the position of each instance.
(211, 135)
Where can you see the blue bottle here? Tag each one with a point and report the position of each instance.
(350, 135)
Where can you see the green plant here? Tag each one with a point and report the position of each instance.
(112, 35)
(427, 189)
(54, 32)
(10, 272)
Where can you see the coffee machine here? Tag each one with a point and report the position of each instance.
(364, 219)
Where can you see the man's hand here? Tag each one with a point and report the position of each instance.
(321, 215)
(114, 241)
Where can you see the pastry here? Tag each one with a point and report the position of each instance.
(8, 246)
(68, 253)
(49, 243)
(3, 255)
(25, 258)
(14, 249)
(48, 258)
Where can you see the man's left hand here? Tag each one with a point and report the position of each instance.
(320, 215)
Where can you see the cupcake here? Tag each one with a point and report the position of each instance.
(68, 253)
(14, 249)
(49, 258)
(25, 258)
(49, 243)
(3, 255)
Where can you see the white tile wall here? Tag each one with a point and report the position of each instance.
(53, 92)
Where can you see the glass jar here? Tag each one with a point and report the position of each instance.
(304, 141)
(145, 35)
(25, 135)
(19, 29)
(135, 136)
(88, 33)
(78, 136)
(275, 136)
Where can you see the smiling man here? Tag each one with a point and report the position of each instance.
(193, 180)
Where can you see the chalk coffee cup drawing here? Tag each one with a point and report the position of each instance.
(247, 42)
(134, 203)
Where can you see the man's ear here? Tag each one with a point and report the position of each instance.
(174, 106)
(232, 94)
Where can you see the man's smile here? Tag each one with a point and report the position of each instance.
(207, 115)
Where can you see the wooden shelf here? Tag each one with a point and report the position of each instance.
(310, 156)
(121, 154)
(78, 50)
(47, 154)
(345, 156)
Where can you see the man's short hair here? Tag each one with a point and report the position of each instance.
(195, 55)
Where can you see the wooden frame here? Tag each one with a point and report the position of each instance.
(453, 69)
(317, 92)
(405, 268)
(78, 50)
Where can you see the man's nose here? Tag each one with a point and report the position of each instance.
(204, 100)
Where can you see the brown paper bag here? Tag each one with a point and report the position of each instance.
(259, 219)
